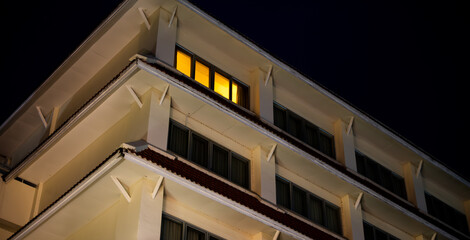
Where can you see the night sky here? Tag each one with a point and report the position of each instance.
(401, 62)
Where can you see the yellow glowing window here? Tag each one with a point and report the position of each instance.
(235, 92)
(183, 63)
(201, 74)
(221, 85)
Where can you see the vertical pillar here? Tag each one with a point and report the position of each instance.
(166, 37)
(414, 186)
(262, 95)
(263, 178)
(344, 145)
(141, 218)
(159, 120)
(353, 227)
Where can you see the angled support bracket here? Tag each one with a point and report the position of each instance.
(157, 187)
(172, 16)
(270, 155)
(420, 166)
(276, 235)
(358, 200)
(164, 94)
(134, 95)
(268, 75)
(434, 236)
(144, 16)
(41, 116)
(348, 131)
(122, 188)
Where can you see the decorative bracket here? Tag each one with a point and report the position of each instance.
(122, 188)
(164, 94)
(420, 166)
(276, 235)
(41, 116)
(157, 187)
(268, 75)
(358, 200)
(270, 155)
(172, 16)
(434, 236)
(350, 126)
(144, 16)
(134, 95)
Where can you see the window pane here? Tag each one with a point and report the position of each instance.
(183, 63)
(299, 201)
(325, 144)
(311, 136)
(239, 94)
(332, 219)
(282, 193)
(220, 161)
(385, 178)
(193, 234)
(222, 85)
(201, 74)
(361, 163)
(398, 186)
(200, 150)
(171, 230)
(294, 126)
(279, 117)
(239, 172)
(379, 234)
(178, 142)
(315, 210)
(368, 232)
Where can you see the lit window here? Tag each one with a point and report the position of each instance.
(183, 63)
(201, 74)
(222, 85)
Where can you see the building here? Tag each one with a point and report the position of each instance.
(166, 124)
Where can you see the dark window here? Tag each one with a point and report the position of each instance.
(371, 232)
(446, 213)
(303, 130)
(221, 161)
(308, 205)
(208, 75)
(380, 175)
(175, 229)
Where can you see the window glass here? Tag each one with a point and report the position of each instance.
(220, 161)
(222, 85)
(239, 93)
(325, 144)
(201, 73)
(332, 220)
(171, 230)
(279, 117)
(311, 136)
(294, 126)
(193, 234)
(178, 140)
(199, 150)
(299, 201)
(183, 63)
(282, 193)
(315, 210)
(446, 213)
(239, 172)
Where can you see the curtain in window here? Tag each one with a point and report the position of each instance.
(178, 141)
(325, 144)
(200, 150)
(332, 220)
(315, 210)
(311, 136)
(220, 161)
(193, 234)
(282, 193)
(239, 172)
(398, 186)
(171, 230)
(294, 126)
(299, 201)
(279, 117)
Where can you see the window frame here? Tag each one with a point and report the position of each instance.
(375, 229)
(455, 214)
(309, 194)
(185, 225)
(211, 144)
(304, 123)
(212, 70)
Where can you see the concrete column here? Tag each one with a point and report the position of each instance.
(353, 227)
(344, 145)
(141, 218)
(166, 37)
(263, 175)
(414, 187)
(159, 120)
(262, 96)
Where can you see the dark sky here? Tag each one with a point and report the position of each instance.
(401, 62)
